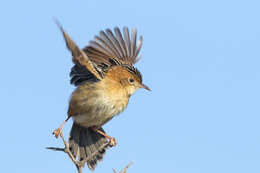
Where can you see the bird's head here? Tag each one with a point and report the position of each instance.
(128, 77)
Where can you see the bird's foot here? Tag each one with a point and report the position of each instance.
(112, 142)
(57, 132)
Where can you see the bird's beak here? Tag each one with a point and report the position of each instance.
(145, 87)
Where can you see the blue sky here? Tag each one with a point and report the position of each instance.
(200, 58)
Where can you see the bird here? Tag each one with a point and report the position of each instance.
(105, 78)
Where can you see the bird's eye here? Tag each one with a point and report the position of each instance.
(131, 80)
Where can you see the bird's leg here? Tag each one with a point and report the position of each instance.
(112, 141)
(58, 131)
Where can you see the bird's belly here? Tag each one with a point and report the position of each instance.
(99, 114)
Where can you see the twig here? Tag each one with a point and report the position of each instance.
(125, 169)
(79, 164)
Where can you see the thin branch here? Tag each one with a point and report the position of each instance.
(125, 169)
(79, 164)
(55, 149)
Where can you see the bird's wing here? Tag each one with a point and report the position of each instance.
(83, 69)
(113, 48)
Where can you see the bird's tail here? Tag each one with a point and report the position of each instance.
(84, 143)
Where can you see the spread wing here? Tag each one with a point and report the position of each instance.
(85, 69)
(114, 48)
(106, 50)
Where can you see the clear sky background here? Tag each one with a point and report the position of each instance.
(200, 58)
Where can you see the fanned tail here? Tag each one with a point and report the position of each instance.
(84, 143)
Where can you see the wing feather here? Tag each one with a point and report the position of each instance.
(139, 45)
(83, 68)
(127, 41)
(104, 51)
(111, 48)
(133, 42)
(120, 41)
(114, 41)
(100, 46)
(108, 42)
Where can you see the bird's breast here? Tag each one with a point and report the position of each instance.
(97, 105)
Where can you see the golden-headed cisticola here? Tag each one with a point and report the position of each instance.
(105, 78)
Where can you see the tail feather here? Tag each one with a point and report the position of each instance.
(82, 143)
(74, 140)
(99, 144)
(85, 143)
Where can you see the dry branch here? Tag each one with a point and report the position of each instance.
(125, 169)
(81, 164)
